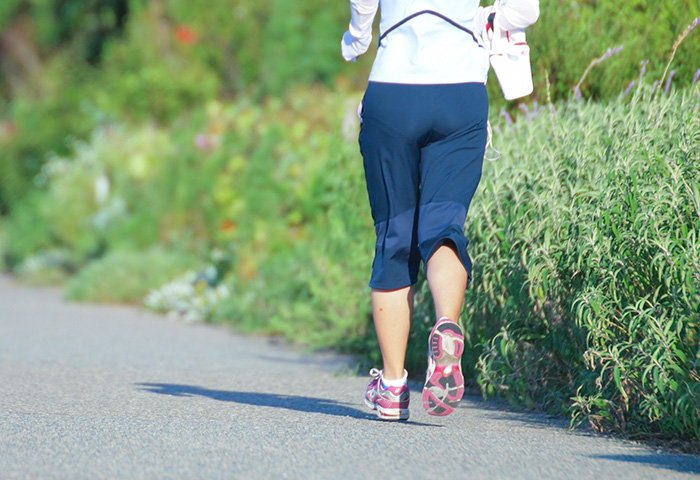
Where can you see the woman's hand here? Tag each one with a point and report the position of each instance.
(352, 47)
(358, 37)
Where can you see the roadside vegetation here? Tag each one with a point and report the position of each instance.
(204, 163)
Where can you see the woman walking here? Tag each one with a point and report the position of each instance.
(424, 120)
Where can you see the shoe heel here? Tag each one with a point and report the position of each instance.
(392, 413)
(447, 340)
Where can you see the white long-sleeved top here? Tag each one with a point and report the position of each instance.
(427, 49)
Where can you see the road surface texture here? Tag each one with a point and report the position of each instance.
(91, 392)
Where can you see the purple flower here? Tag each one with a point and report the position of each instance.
(610, 52)
(643, 68)
(629, 87)
(536, 108)
(524, 108)
(201, 141)
(206, 142)
(696, 77)
(509, 120)
(667, 86)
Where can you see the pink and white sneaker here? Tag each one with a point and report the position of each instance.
(391, 403)
(444, 382)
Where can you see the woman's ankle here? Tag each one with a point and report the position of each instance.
(394, 375)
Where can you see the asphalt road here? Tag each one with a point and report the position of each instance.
(91, 392)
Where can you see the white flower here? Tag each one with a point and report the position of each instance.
(187, 297)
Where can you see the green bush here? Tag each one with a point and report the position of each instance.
(266, 46)
(271, 45)
(260, 181)
(41, 124)
(127, 277)
(71, 98)
(159, 82)
(298, 225)
(8, 11)
(92, 200)
(48, 108)
(26, 232)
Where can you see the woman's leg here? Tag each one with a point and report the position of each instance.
(451, 165)
(391, 124)
(447, 279)
(392, 310)
(450, 172)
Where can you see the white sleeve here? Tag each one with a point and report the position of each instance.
(358, 37)
(517, 14)
(481, 17)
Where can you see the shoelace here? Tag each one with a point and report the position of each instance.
(375, 372)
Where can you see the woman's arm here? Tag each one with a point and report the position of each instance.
(515, 14)
(358, 37)
(510, 14)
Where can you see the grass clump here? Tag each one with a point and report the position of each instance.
(127, 277)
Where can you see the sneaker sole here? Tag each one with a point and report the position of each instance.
(392, 413)
(444, 389)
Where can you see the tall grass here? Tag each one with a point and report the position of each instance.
(585, 239)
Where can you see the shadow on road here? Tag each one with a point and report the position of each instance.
(290, 402)
(666, 461)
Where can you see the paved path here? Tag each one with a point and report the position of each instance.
(90, 392)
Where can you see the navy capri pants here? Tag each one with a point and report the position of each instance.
(423, 149)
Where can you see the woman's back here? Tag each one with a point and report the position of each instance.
(429, 49)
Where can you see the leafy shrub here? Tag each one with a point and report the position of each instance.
(84, 203)
(127, 277)
(278, 185)
(157, 82)
(301, 43)
(46, 267)
(271, 45)
(49, 103)
(41, 124)
(27, 231)
(8, 10)
(296, 220)
(266, 46)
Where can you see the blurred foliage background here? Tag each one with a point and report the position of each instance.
(201, 159)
